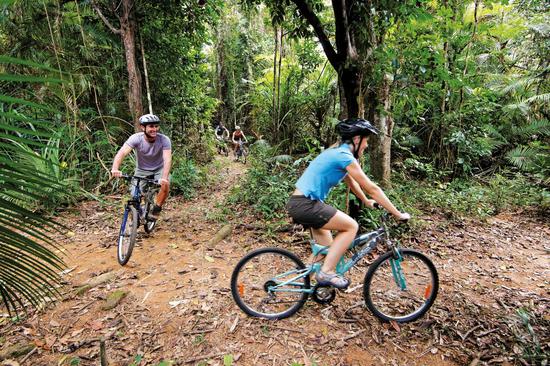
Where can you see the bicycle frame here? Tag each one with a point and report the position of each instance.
(367, 243)
(136, 195)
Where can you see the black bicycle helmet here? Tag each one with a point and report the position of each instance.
(149, 119)
(355, 127)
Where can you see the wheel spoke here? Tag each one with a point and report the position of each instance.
(401, 290)
(271, 283)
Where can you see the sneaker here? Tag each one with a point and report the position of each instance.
(155, 212)
(332, 279)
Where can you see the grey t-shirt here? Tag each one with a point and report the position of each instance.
(149, 155)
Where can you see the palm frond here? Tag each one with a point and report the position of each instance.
(523, 157)
(542, 98)
(538, 127)
(29, 267)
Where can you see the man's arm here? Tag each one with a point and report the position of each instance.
(245, 138)
(121, 154)
(233, 138)
(167, 157)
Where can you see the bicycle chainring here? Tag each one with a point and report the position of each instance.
(323, 294)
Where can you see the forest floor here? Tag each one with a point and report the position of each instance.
(492, 306)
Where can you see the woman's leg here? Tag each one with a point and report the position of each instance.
(321, 237)
(347, 229)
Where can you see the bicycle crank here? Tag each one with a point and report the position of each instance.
(323, 294)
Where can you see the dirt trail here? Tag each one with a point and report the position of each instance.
(179, 307)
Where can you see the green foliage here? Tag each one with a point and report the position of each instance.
(527, 337)
(461, 197)
(267, 185)
(185, 177)
(28, 266)
(46, 162)
(228, 360)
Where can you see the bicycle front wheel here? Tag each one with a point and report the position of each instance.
(127, 235)
(270, 283)
(149, 225)
(401, 289)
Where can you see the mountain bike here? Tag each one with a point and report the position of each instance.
(136, 214)
(400, 285)
(242, 152)
(222, 147)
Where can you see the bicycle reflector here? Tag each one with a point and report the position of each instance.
(241, 289)
(428, 291)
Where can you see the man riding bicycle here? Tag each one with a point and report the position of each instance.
(237, 136)
(307, 207)
(221, 132)
(154, 157)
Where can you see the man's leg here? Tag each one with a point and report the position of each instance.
(162, 195)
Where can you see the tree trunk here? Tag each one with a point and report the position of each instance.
(128, 29)
(274, 89)
(381, 145)
(349, 84)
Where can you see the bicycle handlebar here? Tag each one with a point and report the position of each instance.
(386, 215)
(130, 177)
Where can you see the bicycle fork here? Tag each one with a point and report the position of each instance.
(397, 271)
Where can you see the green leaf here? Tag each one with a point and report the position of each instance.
(228, 360)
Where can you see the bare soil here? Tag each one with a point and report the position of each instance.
(492, 306)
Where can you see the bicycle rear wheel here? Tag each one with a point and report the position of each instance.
(401, 290)
(127, 235)
(269, 283)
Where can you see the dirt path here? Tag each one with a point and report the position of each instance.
(179, 307)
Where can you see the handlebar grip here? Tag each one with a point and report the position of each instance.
(377, 205)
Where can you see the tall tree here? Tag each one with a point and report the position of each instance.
(358, 29)
(127, 31)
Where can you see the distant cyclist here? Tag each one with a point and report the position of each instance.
(221, 132)
(237, 136)
(154, 157)
(307, 206)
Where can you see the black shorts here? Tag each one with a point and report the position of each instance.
(308, 212)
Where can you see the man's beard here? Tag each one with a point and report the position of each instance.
(149, 137)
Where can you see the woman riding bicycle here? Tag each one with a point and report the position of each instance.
(306, 205)
(236, 137)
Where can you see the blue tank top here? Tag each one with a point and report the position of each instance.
(324, 172)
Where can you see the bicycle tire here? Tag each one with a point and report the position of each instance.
(127, 235)
(386, 299)
(149, 225)
(258, 298)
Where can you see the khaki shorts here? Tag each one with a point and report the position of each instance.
(308, 212)
(151, 174)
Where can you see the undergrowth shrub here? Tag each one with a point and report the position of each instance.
(474, 198)
(186, 178)
(268, 183)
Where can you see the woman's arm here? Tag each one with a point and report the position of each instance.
(374, 191)
(356, 189)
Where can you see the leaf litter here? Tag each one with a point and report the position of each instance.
(492, 306)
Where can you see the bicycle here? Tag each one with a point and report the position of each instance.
(136, 214)
(242, 152)
(400, 285)
(222, 147)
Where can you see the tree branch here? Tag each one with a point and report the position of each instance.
(107, 23)
(343, 42)
(314, 21)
